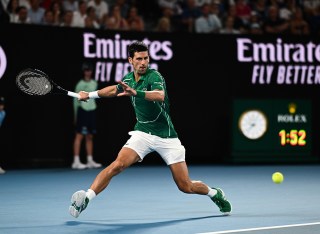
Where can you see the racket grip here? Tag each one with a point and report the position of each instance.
(72, 94)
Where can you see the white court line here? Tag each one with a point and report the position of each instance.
(261, 228)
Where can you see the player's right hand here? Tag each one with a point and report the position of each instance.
(84, 96)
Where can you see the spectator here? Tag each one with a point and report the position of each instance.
(163, 25)
(274, 24)
(48, 18)
(298, 25)
(85, 120)
(36, 12)
(70, 5)
(80, 15)
(115, 20)
(207, 23)
(58, 13)
(189, 14)
(67, 19)
(101, 8)
(243, 10)
(238, 23)
(260, 7)
(229, 26)
(91, 20)
(2, 116)
(12, 8)
(124, 7)
(134, 19)
(23, 17)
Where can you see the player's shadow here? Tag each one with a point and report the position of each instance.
(132, 227)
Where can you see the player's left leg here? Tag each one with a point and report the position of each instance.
(185, 184)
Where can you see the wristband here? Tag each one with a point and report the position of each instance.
(140, 94)
(93, 95)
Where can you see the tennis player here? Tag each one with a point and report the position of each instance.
(154, 131)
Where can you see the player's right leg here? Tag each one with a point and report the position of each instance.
(81, 199)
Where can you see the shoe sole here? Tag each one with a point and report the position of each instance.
(77, 199)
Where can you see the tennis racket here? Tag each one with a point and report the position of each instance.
(36, 83)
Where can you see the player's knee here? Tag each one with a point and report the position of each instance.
(117, 167)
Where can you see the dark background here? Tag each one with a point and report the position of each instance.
(203, 79)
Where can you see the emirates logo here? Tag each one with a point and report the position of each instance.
(3, 62)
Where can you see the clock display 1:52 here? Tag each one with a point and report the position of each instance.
(293, 137)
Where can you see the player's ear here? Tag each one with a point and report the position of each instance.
(130, 60)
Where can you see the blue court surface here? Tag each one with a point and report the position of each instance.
(144, 199)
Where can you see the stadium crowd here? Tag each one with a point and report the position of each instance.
(300, 17)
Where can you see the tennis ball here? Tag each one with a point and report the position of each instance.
(277, 177)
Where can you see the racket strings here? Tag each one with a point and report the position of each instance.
(33, 82)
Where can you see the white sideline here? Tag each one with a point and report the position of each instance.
(262, 228)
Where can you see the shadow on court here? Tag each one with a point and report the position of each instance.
(146, 227)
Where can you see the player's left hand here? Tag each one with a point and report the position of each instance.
(127, 90)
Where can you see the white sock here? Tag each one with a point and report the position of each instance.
(89, 158)
(76, 159)
(90, 194)
(211, 192)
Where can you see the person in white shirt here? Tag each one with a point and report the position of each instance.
(101, 8)
(207, 23)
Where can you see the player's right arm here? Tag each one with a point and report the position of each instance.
(108, 92)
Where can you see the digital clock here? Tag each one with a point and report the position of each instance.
(293, 137)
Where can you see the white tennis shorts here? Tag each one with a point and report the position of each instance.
(170, 149)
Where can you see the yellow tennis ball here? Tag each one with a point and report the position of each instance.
(277, 177)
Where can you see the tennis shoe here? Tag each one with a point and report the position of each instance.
(78, 166)
(79, 203)
(93, 164)
(220, 200)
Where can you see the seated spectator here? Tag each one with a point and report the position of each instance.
(274, 24)
(207, 23)
(260, 7)
(101, 8)
(67, 19)
(238, 23)
(135, 21)
(298, 25)
(12, 10)
(124, 7)
(163, 25)
(80, 15)
(91, 20)
(70, 5)
(57, 10)
(48, 18)
(115, 20)
(23, 17)
(36, 12)
(229, 26)
(243, 10)
(189, 14)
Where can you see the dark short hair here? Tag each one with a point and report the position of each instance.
(87, 66)
(137, 46)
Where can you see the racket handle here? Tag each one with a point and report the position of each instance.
(72, 94)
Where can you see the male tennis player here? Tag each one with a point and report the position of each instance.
(154, 131)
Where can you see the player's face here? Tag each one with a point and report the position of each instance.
(140, 62)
